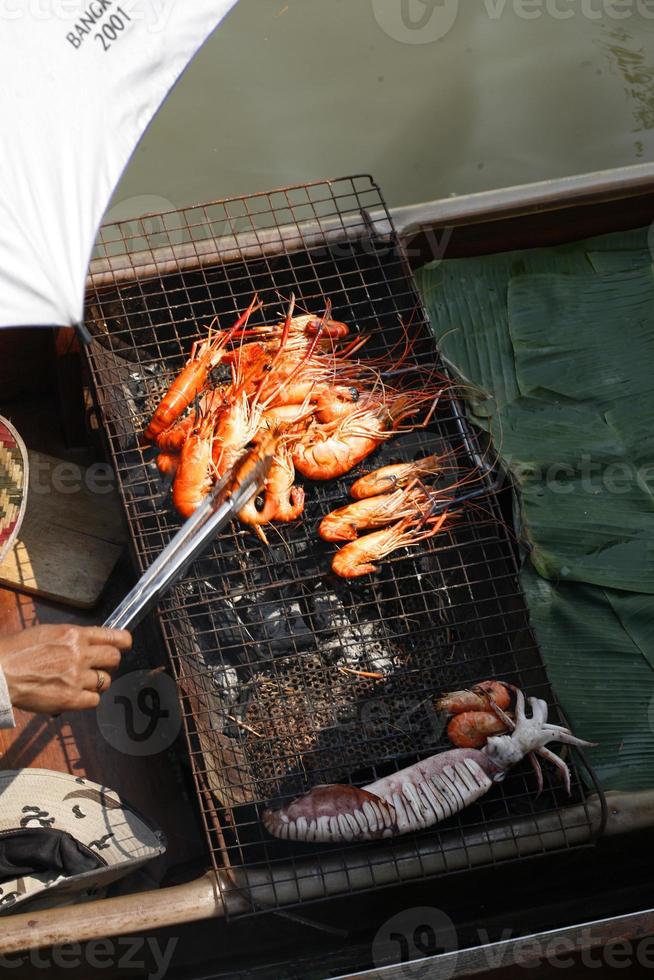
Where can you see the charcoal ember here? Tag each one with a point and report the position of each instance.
(327, 611)
(280, 623)
(225, 681)
(226, 618)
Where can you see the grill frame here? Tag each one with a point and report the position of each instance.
(508, 824)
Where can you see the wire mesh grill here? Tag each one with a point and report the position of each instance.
(268, 646)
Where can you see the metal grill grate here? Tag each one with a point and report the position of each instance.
(262, 640)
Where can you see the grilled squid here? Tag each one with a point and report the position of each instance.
(421, 795)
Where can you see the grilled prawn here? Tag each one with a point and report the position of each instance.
(389, 478)
(479, 698)
(421, 795)
(360, 557)
(346, 523)
(329, 450)
(195, 473)
(283, 501)
(190, 382)
(470, 729)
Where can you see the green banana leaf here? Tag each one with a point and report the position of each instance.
(555, 352)
(598, 652)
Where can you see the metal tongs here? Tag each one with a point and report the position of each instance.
(232, 493)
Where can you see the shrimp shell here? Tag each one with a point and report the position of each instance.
(470, 729)
(346, 523)
(388, 478)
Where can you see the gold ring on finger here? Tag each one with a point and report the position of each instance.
(102, 680)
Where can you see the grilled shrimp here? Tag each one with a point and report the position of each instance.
(470, 729)
(326, 452)
(478, 698)
(390, 477)
(334, 402)
(245, 411)
(359, 557)
(237, 426)
(191, 380)
(168, 463)
(303, 325)
(346, 523)
(296, 415)
(283, 501)
(329, 450)
(172, 439)
(195, 476)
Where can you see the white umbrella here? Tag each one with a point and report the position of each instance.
(81, 80)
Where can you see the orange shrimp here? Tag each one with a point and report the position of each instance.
(335, 402)
(478, 698)
(172, 439)
(470, 729)
(295, 375)
(346, 523)
(167, 463)
(195, 473)
(329, 450)
(205, 356)
(285, 415)
(334, 329)
(306, 324)
(310, 373)
(244, 414)
(283, 501)
(326, 452)
(236, 427)
(388, 478)
(358, 557)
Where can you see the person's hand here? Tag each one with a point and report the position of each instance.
(51, 669)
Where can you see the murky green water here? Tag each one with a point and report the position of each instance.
(433, 97)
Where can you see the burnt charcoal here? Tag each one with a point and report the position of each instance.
(327, 612)
(226, 683)
(280, 623)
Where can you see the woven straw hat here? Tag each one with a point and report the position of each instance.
(105, 831)
(13, 484)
